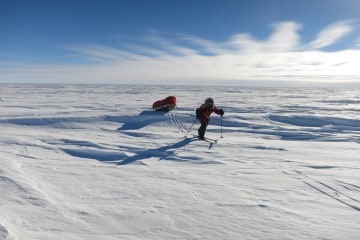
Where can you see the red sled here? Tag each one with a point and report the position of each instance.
(165, 105)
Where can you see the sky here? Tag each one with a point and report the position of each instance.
(183, 41)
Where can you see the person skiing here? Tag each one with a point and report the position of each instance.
(203, 114)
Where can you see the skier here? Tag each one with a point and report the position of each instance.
(203, 114)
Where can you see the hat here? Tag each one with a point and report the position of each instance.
(209, 102)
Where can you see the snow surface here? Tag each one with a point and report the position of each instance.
(95, 162)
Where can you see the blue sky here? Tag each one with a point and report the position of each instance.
(145, 41)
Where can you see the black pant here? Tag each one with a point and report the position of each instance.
(202, 129)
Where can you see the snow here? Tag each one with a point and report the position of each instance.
(94, 162)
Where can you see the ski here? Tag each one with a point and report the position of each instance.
(211, 140)
(206, 139)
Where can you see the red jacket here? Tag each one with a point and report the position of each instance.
(204, 112)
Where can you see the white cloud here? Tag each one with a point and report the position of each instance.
(98, 53)
(285, 37)
(206, 46)
(357, 43)
(188, 58)
(331, 34)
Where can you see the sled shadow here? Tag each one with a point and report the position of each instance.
(165, 152)
(142, 120)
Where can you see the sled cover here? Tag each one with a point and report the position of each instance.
(166, 104)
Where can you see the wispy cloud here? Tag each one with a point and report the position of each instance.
(184, 58)
(332, 34)
(283, 38)
(99, 53)
(357, 43)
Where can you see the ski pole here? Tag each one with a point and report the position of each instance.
(221, 129)
(190, 128)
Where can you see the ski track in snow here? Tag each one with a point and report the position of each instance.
(94, 162)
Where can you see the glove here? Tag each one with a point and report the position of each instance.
(221, 112)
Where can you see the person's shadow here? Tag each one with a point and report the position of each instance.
(142, 120)
(163, 153)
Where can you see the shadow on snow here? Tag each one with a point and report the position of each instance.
(142, 120)
(163, 153)
(145, 118)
